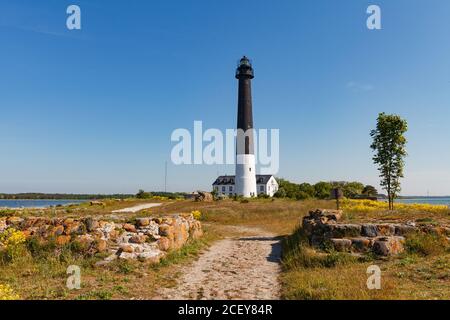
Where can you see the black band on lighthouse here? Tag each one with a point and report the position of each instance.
(244, 138)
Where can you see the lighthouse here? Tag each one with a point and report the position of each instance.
(245, 179)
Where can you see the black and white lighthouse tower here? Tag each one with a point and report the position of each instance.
(245, 180)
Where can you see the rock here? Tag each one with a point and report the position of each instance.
(327, 213)
(3, 225)
(157, 220)
(404, 230)
(57, 231)
(97, 203)
(101, 245)
(387, 246)
(341, 245)
(127, 255)
(361, 244)
(342, 231)
(163, 244)
(129, 227)
(166, 230)
(27, 233)
(108, 230)
(180, 235)
(369, 230)
(151, 229)
(151, 256)
(128, 242)
(196, 233)
(126, 248)
(84, 241)
(316, 241)
(308, 225)
(386, 229)
(62, 240)
(204, 196)
(439, 231)
(68, 221)
(138, 239)
(106, 260)
(142, 222)
(14, 221)
(91, 224)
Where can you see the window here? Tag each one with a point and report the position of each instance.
(261, 188)
(230, 188)
(223, 189)
(250, 169)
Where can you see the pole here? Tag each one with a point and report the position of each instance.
(165, 177)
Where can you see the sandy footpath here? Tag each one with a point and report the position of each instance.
(137, 208)
(245, 266)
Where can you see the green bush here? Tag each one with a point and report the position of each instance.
(297, 254)
(426, 244)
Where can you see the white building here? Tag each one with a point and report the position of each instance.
(265, 184)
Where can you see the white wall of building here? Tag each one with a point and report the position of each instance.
(229, 190)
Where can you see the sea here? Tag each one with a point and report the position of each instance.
(14, 204)
(427, 200)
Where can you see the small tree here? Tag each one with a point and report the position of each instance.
(370, 191)
(389, 146)
(322, 190)
(143, 195)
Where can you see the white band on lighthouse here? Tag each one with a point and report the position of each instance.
(245, 179)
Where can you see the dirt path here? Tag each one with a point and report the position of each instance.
(244, 266)
(138, 208)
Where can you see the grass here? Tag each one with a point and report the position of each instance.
(40, 272)
(367, 211)
(422, 272)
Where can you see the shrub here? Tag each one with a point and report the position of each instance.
(426, 244)
(6, 293)
(298, 254)
(12, 242)
(370, 205)
(281, 193)
(196, 214)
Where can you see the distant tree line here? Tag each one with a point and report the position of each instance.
(322, 190)
(62, 196)
(148, 195)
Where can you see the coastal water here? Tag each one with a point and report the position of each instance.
(36, 203)
(427, 200)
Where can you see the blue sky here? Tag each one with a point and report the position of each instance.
(92, 110)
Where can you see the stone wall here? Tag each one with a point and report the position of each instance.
(145, 239)
(323, 229)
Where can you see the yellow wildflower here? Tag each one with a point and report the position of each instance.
(6, 293)
(196, 214)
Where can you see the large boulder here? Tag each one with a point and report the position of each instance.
(204, 196)
(341, 245)
(376, 230)
(342, 230)
(361, 244)
(404, 230)
(387, 246)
